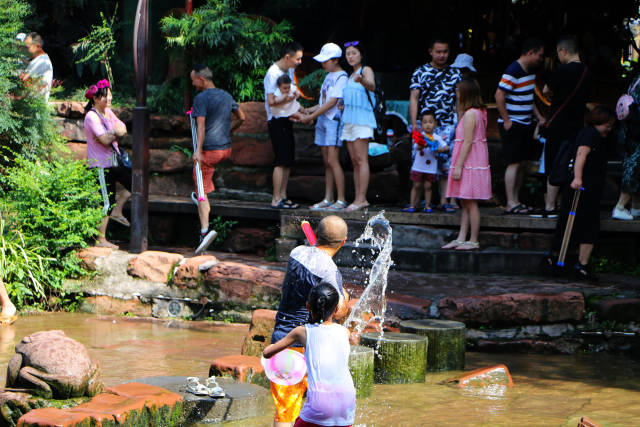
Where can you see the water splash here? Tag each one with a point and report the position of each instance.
(371, 307)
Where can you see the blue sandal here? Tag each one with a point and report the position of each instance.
(410, 209)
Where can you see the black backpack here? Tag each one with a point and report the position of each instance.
(379, 107)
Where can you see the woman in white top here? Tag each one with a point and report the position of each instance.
(331, 396)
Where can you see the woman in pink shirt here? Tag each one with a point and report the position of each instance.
(103, 130)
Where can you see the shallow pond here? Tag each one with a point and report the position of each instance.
(548, 390)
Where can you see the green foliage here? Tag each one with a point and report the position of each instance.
(167, 98)
(237, 47)
(52, 208)
(182, 150)
(606, 265)
(99, 45)
(223, 228)
(26, 125)
(310, 85)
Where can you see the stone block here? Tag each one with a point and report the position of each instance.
(78, 150)
(497, 375)
(243, 283)
(622, 310)
(188, 273)
(251, 152)
(89, 255)
(306, 187)
(243, 178)
(153, 395)
(260, 330)
(173, 125)
(284, 247)
(497, 239)
(535, 241)
(514, 309)
(175, 184)
(154, 266)
(104, 304)
(249, 240)
(169, 162)
(54, 417)
(240, 367)
(113, 407)
(255, 118)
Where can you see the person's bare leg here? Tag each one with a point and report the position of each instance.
(277, 184)
(443, 189)
(415, 194)
(352, 154)
(623, 200)
(333, 158)
(8, 309)
(474, 220)
(428, 193)
(584, 253)
(550, 197)
(510, 178)
(203, 212)
(464, 222)
(361, 148)
(121, 199)
(102, 239)
(328, 174)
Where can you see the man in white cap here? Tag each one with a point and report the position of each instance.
(40, 69)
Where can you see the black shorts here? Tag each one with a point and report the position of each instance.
(516, 142)
(108, 178)
(282, 140)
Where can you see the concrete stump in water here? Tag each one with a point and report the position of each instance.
(400, 359)
(446, 342)
(361, 367)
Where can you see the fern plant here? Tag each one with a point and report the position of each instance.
(237, 47)
(99, 45)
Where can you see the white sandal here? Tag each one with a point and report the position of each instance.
(322, 205)
(194, 386)
(452, 244)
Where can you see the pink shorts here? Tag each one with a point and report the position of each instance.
(211, 158)
(416, 176)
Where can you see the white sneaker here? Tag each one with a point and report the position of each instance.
(205, 241)
(622, 214)
(635, 213)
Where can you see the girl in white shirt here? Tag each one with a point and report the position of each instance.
(331, 396)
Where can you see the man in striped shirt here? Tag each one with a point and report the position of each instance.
(514, 99)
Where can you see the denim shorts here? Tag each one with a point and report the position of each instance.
(328, 132)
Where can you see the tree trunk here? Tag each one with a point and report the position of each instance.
(361, 367)
(400, 359)
(446, 342)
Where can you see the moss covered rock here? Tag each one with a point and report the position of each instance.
(400, 359)
(446, 342)
(361, 366)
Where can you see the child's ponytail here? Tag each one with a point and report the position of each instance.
(323, 300)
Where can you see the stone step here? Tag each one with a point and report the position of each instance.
(490, 260)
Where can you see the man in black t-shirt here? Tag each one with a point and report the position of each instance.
(570, 119)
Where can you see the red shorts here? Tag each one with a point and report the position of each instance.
(416, 176)
(302, 423)
(207, 165)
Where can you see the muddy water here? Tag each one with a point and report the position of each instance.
(549, 390)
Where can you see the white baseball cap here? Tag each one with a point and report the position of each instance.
(464, 61)
(328, 51)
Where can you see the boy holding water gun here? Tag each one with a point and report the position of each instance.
(426, 146)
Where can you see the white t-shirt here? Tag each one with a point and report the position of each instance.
(426, 162)
(332, 87)
(41, 67)
(270, 85)
(286, 109)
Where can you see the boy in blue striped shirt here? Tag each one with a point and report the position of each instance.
(514, 99)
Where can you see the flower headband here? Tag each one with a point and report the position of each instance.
(93, 89)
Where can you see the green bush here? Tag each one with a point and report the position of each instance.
(239, 48)
(55, 208)
(26, 124)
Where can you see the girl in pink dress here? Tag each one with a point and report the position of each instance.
(469, 174)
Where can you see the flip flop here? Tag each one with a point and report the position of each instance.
(289, 203)
(121, 220)
(321, 205)
(6, 320)
(468, 246)
(353, 207)
(282, 205)
(518, 210)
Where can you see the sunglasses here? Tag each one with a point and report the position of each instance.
(355, 43)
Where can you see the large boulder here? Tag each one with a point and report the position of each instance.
(154, 266)
(233, 281)
(188, 274)
(88, 256)
(514, 309)
(260, 330)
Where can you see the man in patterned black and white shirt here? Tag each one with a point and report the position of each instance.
(433, 86)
